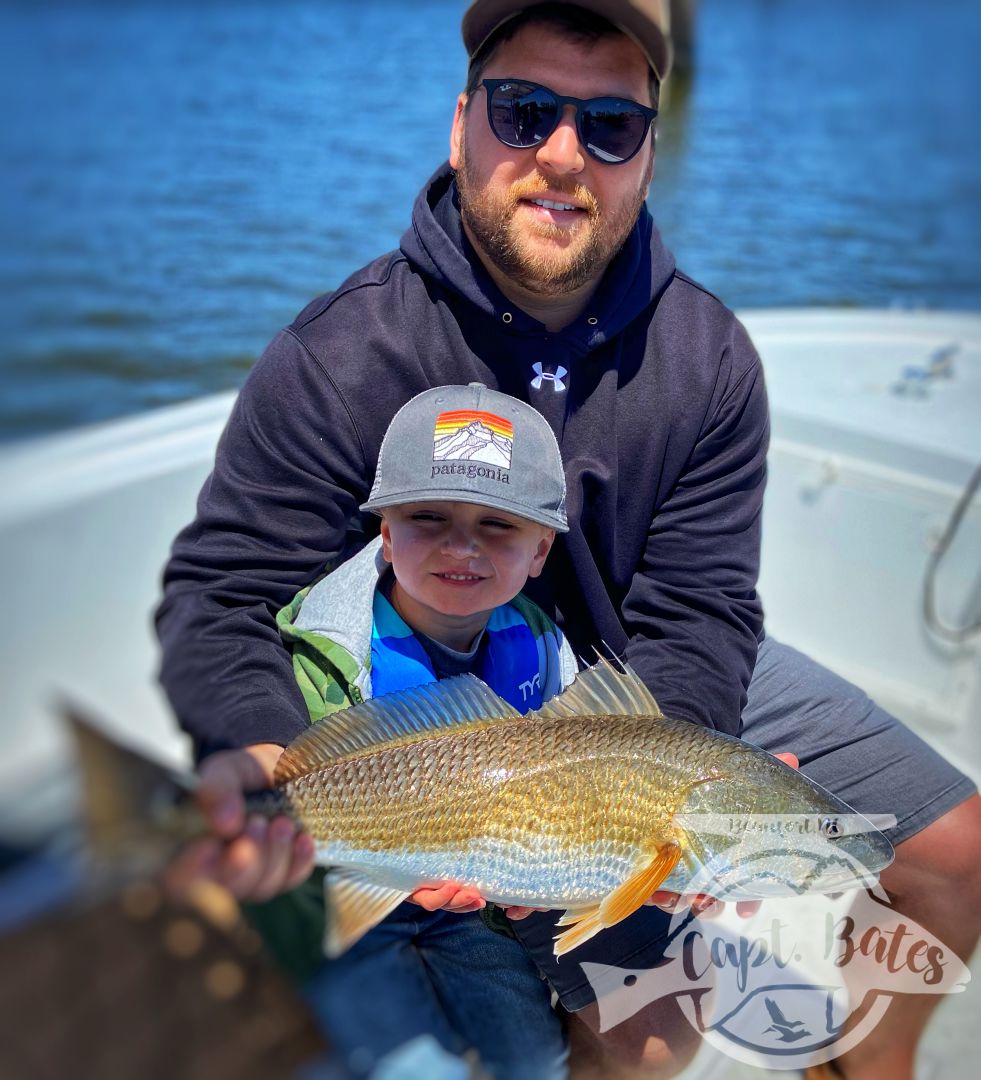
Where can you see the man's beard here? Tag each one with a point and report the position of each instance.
(547, 270)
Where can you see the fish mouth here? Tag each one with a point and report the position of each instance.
(793, 853)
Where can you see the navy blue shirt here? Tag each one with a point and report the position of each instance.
(657, 399)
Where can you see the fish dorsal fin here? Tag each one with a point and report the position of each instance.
(418, 711)
(602, 690)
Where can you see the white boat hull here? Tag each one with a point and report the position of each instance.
(861, 482)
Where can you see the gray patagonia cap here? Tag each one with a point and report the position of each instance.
(474, 445)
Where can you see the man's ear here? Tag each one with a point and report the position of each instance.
(649, 174)
(541, 552)
(456, 132)
(386, 535)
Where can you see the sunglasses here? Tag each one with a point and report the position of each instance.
(523, 114)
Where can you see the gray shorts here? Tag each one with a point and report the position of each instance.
(844, 741)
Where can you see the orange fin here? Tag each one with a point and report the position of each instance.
(628, 897)
(583, 923)
(575, 915)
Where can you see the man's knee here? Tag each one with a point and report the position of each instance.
(788, 683)
(941, 860)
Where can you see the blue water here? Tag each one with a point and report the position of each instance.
(179, 180)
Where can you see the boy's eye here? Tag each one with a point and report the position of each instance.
(496, 523)
(426, 515)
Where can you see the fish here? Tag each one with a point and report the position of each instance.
(587, 805)
(101, 980)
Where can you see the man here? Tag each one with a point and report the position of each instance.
(533, 266)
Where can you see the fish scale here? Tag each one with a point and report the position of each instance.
(487, 804)
(583, 805)
(589, 804)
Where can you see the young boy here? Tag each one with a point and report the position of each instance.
(471, 492)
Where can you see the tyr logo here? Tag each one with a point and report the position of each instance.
(528, 687)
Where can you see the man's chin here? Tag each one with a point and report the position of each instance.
(549, 266)
(551, 277)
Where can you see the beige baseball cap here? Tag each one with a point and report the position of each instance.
(648, 22)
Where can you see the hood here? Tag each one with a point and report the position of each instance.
(437, 246)
(339, 608)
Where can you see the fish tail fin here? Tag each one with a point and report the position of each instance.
(134, 809)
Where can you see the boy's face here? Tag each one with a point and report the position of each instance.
(455, 562)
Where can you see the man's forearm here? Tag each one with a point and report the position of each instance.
(228, 677)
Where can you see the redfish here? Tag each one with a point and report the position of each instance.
(588, 805)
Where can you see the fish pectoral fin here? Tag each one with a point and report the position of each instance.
(354, 905)
(628, 897)
(575, 915)
(583, 923)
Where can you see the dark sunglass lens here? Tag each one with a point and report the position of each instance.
(613, 130)
(522, 115)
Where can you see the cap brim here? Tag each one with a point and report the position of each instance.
(552, 520)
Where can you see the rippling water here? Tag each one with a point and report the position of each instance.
(179, 180)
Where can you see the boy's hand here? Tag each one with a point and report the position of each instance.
(517, 913)
(255, 859)
(707, 907)
(461, 898)
(449, 897)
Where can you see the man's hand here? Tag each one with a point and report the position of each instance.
(707, 907)
(254, 859)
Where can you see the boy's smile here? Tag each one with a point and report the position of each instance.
(454, 562)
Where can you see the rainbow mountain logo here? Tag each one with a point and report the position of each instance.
(468, 435)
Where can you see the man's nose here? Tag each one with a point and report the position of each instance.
(561, 153)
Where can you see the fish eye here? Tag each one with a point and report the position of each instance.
(831, 827)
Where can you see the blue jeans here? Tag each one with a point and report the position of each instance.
(444, 975)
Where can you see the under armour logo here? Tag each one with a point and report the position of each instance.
(547, 376)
